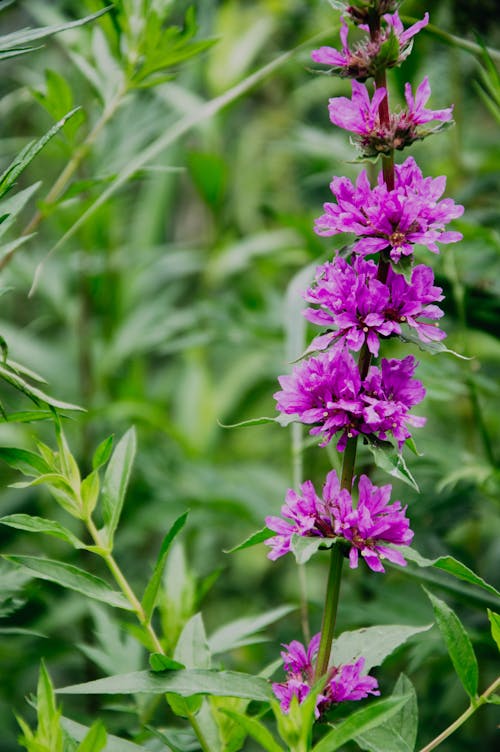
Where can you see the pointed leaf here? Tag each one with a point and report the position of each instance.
(374, 644)
(259, 537)
(35, 394)
(389, 459)
(114, 744)
(255, 729)
(398, 733)
(25, 461)
(151, 593)
(71, 577)
(159, 662)
(41, 525)
(458, 645)
(304, 547)
(95, 740)
(116, 482)
(495, 626)
(102, 453)
(450, 565)
(360, 722)
(231, 635)
(26, 36)
(184, 683)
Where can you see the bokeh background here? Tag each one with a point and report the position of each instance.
(176, 306)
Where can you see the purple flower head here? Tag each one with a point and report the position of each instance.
(367, 57)
(360, 115)
(359, 308)
(343, 683)
(389, 392)
(307, 515)
(395, 219)
(373, 524)
(368, 527)
(326, 391)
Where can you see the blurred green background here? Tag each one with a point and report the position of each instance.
(177, 304)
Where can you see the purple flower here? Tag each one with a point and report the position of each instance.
(360, 115)
(372, 524)
(364, 58)
(369, 528)
(326, 391)
(343, 683)
(391, 219)
(360, 308)
(307, 515)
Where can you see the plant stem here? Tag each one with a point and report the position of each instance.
(329, 612)
(127, 591)
(475, 704)
(297, 438)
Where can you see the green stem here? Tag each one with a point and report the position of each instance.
(122, 583)
(475, 704)
(199, 733)
(297, 471)
(329, 612)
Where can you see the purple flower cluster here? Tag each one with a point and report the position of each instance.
(361, 116)
(360, 308)
(343, 683)
(365, 58)
(391, 220)
(371, 528)
(327, 392)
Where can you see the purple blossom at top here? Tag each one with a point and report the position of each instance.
(371, 527)
(343, 683)
(360, 115)
(391, 219)
(363, 58)
(360, 308)
(326, 391)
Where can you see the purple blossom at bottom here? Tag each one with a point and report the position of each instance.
(326, 392)
(361, 116)
(391, 219)
(362, 59)
(343, 683)
(360, 308)
(372, 527)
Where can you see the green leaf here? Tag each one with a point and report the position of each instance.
(71, 577)
(283, 420)
(209, 174)
(431, 347)
(304, 547)
(95, 740)
(450, 565)
(389, 459)
(114, 744)
(193, 652)
(159, 662)
(240, 631)
(458, 645)
(102, 453)
(23, 159)
(256, 730)
(25, 36)
(25, 461)
(259, 537)
(60, 489)
(184, 683)
(89, 492)
(398, 733)
(153, 587)
(115, 482)
(34, 394)
(360, 722)
(495, 626)
(41, 525)
(374, 644)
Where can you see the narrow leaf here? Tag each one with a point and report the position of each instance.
(95, 740)
(259, 537)
(102, 453)
(495, 626)
(35, 394)
(231, 635)
(255, 729)
(114, 744)
(450, 565)
(360, 722)
(458, 645)
(25, 461)
(160, 662)
(390, 460)
(41, 525)
(116, 481)
(399, 732)
(184, 683)
(151, 593)
(71, 577)
(26, 36)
